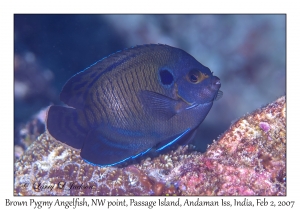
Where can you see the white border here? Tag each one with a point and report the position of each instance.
(8, 8)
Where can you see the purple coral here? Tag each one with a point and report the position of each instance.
(264, 126)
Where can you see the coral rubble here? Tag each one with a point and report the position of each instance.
(248, 159)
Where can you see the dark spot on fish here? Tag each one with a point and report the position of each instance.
(166, 77)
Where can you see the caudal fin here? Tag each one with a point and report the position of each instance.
(63, 124)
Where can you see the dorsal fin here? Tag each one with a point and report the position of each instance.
(76, 89)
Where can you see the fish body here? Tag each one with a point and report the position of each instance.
(142, 98)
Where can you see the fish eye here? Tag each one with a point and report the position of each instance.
(166, 77)
(195, 76)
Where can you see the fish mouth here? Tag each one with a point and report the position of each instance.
(218, 95)
(191, 105)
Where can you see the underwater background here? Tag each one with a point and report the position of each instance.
(247, 52)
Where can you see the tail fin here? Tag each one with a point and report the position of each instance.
(63, 124)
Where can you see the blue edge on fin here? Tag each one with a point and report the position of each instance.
(171, 142)
(142, 153)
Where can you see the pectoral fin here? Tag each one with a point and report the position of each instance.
(160, 106)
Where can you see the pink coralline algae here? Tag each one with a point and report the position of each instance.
(248, 159)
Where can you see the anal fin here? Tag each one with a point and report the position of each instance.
(101, 151)
(169, 141)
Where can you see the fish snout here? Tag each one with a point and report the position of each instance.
(215, 83)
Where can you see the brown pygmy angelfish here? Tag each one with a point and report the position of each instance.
(139, 99)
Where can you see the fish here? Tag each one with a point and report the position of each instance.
(141, 99)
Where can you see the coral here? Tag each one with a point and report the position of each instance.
(29, 132)
(248, 159)
(49, 167)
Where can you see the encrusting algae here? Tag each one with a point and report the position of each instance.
(248, 159)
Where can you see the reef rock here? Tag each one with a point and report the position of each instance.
(248, 159)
